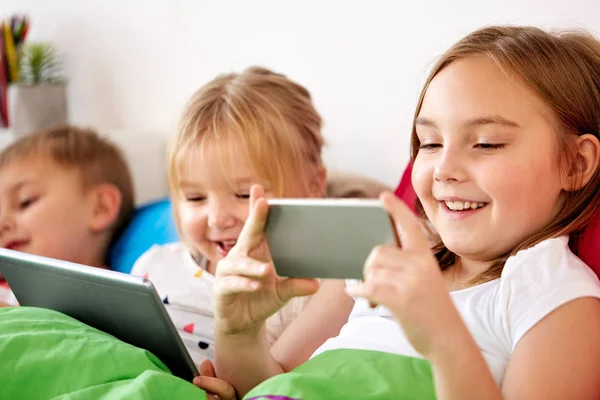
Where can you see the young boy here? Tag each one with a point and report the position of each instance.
(65, 193)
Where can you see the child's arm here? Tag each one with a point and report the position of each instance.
(242, 353)
(245, 360)
(559, 358)
(460, 371)
(408, 282)
(321, 319)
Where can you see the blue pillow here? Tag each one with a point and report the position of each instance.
(151, 224)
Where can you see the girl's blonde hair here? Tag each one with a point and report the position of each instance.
(563, 70)
(272, 118)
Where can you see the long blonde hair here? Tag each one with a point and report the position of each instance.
(563, 70)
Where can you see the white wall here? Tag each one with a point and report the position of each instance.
(133, 63)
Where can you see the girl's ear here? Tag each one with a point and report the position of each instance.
(586, 162)
(106, 200)
(318, 182)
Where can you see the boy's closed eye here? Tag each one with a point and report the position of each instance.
(243, 195)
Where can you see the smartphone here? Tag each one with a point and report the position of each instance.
(326, 238)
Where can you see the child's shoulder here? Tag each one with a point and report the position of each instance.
(538, 280)
(169, 251)
(157, 256)
(551, 255)
(548, 265)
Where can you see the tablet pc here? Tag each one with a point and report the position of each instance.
(325, 238)
(124, 306)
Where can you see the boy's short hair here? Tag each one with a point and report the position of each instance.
(97, 159)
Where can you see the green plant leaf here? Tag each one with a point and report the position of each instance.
(39, 63)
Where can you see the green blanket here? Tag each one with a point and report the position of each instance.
(351, 374)
(47, 355)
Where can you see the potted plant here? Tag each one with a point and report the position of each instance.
(39, 99)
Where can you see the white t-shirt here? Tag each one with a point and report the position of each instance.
(6, 295)
(186, 289)
(498, 313)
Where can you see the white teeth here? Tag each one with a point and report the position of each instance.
(463, 205)
(229, 242)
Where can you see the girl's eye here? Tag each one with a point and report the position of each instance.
(489, 146)
(195, 198)
(23, 204)
(429, 146)
(243, 196)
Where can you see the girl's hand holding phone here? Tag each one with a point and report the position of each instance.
(247, 288)
(408, 282)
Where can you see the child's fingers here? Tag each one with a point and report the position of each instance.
(252, 232)
(243, 266)
(377, 291)
(297, 287)
(256, 192)
(393, 257)
(385, 254)
(233, 284)
(385, 267)
(207, 368)
(383, 284)
(215, 386)
(407, 224)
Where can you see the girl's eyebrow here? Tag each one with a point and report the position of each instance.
(238, 181)
(244, 180)
(493, 120)
(479, 121)
(425, 122)
(186, 183)
(18, 185)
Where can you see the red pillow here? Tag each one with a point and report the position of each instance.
(405, 191)
(588, 246)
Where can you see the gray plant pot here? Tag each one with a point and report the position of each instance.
(35, 107)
